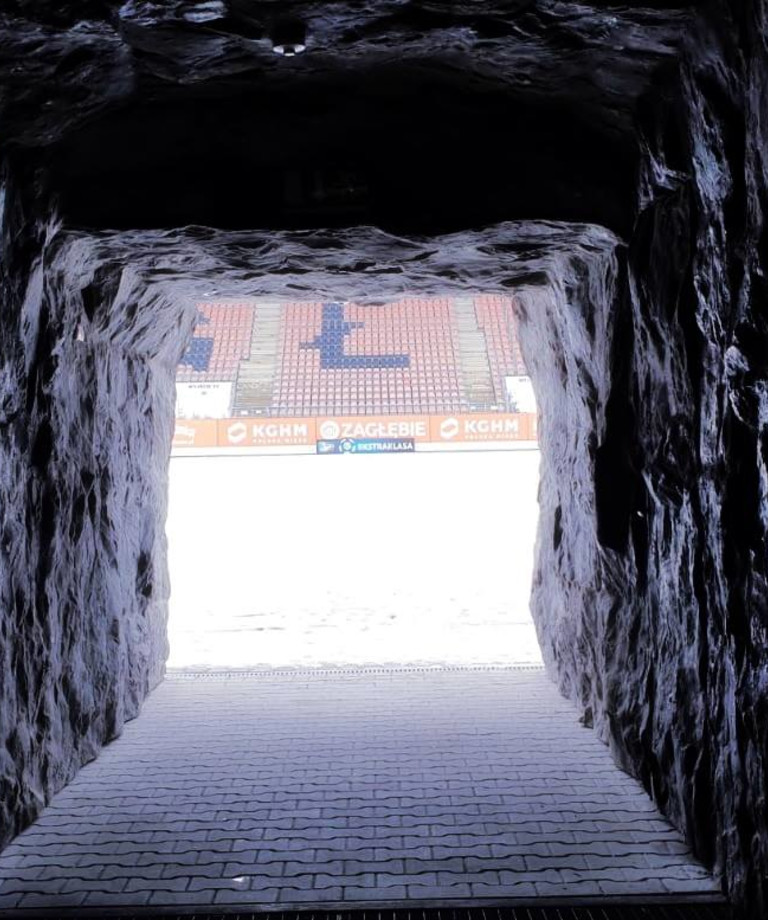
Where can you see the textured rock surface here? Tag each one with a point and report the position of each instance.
(89, 350)
(200, 120)
(651, 594)
(82, 61)
(85, 421)
(649, 357)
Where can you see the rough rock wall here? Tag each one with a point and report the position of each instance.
(651, 590)
(92, 328)
(86, 415)
(567, 336)
(63, 62)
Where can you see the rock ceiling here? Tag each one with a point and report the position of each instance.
(169, 113)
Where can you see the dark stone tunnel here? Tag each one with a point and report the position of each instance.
(607, 162)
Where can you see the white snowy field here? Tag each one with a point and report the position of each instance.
(280, 561)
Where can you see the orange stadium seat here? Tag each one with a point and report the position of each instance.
(221, 340)
(354, 359)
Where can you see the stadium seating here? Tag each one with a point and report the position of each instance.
(495, 317)
(354, 359)
(197, 356)
(221, 340)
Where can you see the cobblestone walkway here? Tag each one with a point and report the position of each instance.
(346, 788)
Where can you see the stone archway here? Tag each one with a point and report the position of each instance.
(117, 331)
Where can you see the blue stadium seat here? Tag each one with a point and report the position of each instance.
(198, 354)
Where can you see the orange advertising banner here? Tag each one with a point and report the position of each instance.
(197, 432)
(266, 432)
(305, 432)
(333, 428)
(496, 426)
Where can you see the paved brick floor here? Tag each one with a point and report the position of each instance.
(348, 787)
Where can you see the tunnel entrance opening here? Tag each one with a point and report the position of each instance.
(650, 590)
(353, 485)
(400, 787)
(309, 561)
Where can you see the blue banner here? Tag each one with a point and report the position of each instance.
(367, 446)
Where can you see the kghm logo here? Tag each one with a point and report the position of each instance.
(503, 426)
(449, 428)
(237, 432)
(267, 430)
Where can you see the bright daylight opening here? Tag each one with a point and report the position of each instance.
(353, 484)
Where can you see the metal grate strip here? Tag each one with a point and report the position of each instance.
(660, 911)
(342, 671)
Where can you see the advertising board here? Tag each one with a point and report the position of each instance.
(367, 446)
(203, 400)
(497, 426)
(356, 434)
(194, 433)
(267, 432)
(373, 427)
